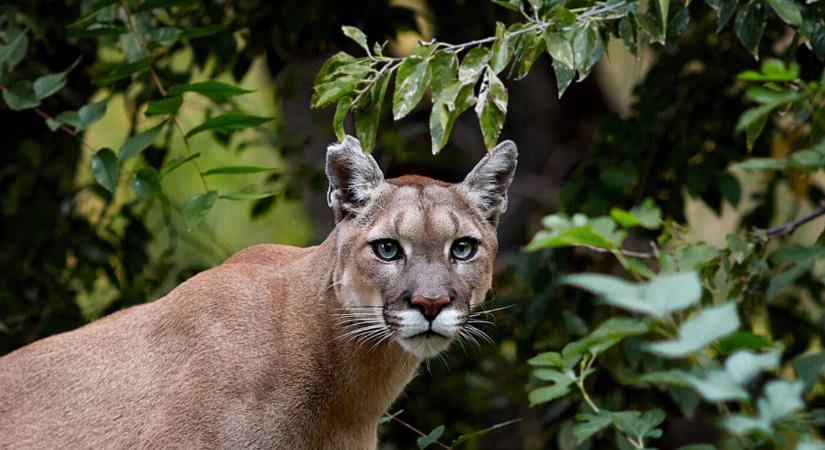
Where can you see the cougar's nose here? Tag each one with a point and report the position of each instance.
(430, 306)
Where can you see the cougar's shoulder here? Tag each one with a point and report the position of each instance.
(271, 255)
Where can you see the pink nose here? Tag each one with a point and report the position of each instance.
(430, 307)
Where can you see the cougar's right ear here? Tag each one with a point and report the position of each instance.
(354, 177)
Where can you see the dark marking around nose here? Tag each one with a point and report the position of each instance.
(430, 307)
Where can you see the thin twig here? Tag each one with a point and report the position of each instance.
(791, 226)
(65, 129)
(419, 432)
(625, 252)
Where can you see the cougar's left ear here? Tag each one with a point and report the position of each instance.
(487, 183)
(353, 177)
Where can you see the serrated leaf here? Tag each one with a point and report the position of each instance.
(639, 425)
(105, 168)
(235, 170)
(553, 359)
(660, 296)
(136, 144)
(431, 438)
(749, 25)
(491, 108)
(787, 10)
(699, 331)
(341, 110)
(166, 106)
(548, 393)
(49, 84)
(89, 114)
(228, 123)
(356, 35)
(411, 83)
(590, 424)
(146, 183)
(216, 91)
(198, 207)
(608, 334)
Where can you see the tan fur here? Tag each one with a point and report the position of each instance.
(249, 354)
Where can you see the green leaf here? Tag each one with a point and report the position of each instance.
(89, 114)
(590, 424)
(627, 31)
(146, 183)
(356, 35)
(476, 434)
(742, 340)
(588, 48)
(560, 49)
(341, 111)
(228, 123)
(70, 118)
(502, 49)
(549, 393)
(472, 65)
(753, 130)
(665, 377)
(368, 113)
(14, 50)
(106, 168)
(444, 68)
(749, 25)
(695, 257)
(452, 101)
(639, 425)
(809, 367)
(553, 359)
(608, 334)
(49, 84)
(199, 32)
(431, 438)
(658, 297)
(802, 259)
(512, 5)
(647, 215)
(564, 76)
(20, 96)
(124, 70)
(166, 106)
(579, 230)
(716, 386)
(198, 207)
(411, 83)
(780, 398)
(491, 108)
(664, 7)
(176, 162)
(139, 142)
(241, 196)
(725, 12)
(213, 90)
(743, 365)
(699, 331)
(787, 10)
(772, 70)
(234, 170)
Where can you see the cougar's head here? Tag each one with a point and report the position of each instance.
(414, 255)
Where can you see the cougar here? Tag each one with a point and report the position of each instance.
(278, 347)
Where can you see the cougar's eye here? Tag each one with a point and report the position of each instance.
(387, 249)
(464, 248)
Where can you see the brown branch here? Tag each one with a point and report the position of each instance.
(65, 129)
(791, 226)
(625, 252)
(419, 432)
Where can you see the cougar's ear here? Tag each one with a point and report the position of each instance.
(353, 177)
(487, 183)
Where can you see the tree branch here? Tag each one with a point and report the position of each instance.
(790, 227)
(417, 431)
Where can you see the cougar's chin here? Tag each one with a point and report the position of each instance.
(423, 338)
